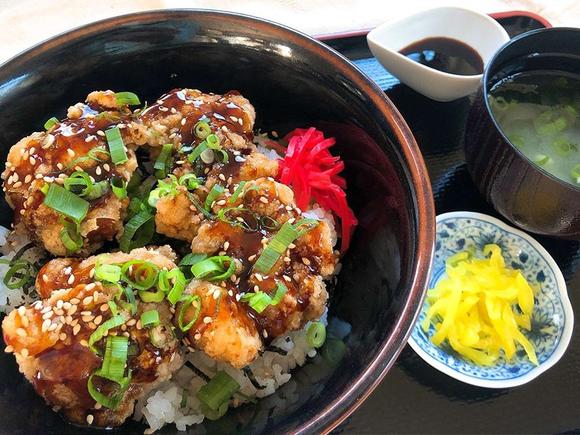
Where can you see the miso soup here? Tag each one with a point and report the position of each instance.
(540, 114)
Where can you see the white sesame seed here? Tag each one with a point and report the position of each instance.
(45, 325)
(21, 332)
(9, 349)
(52, 327)
(106, 167)
(183, 121)
(74, 301)
(207, 319)
(104, 307)
(306, 261)
(17, 184)
(87, 300)
(59, 303)
(71, 279)
(101, 133)
(197, 336)
(90, 419)
(46, 309)
(264, 200)
(76, 329)
(226, 245)
(24, 352)
(131, 322)
(90, 286)
(62, 336)
(28, 179)
(22, 310)
(84, 343)
(98, 320)
(86, 313)
(265, 333)
(98, 171)
(222, 177)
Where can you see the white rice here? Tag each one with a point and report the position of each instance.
(10, 243)
(261, 142)
(271, 370)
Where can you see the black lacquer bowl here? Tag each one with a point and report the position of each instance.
(520, 190)
(292, 81)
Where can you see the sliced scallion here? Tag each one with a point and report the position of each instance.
(112, 400)
(281, 290)
(138, 231)
(197, 151)
(20, 273)
(216, 268)
(107, 272)
(127, 98)
(278, 245)
(150, 318)
(70, 236)
(202, 129)
(140, 274)
(162, 164)
(116, 349)
(316, 334)
(219, 390)
(258, 300)
(111, 323)
(116, 146)
(119, 187)
(237, 192)
(178, 286)
(187, 302)
(66, 203)
(213, 194)
(50, 123)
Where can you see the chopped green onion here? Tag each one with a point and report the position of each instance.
(113, 400)
(70, 236)
(575, 173)
(213, 194)
(225, 158)
(213, 142)
(134, 183)
(162, 164)
(281, 290)
(127, 98)
(198, 206)
(278, 245)
(140, 274)
(237, 192)
(210, 414)
(218, 390)
(50, 123)
(119, 187)
(164, 188)
(202, 129)
(190, 181)
(80, 183)
(179, 283)
(150, 318)
(316, 334)
(197, 151)
(107, 272)
(187, 302)
(113, 306)
(161, 335)
(66, 203)
(191, 259)
(138, 231)
(113, 322)
(116, 350)
(258, 301)
(131, 303)
(163, 281)
(541, 159)
(20, 273)
(116, 146)
(91, 155)
(242, 217)
(145, 187)
(214, 268)
(150, 297)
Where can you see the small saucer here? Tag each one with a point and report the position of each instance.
(552, 319)
(479, 31)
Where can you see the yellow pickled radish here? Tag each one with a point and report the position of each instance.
(473, 308)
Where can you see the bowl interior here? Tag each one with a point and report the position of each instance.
(292, 82)
(552, 318)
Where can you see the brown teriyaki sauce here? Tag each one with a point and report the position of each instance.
(445, 54)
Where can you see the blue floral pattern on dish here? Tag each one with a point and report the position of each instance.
(548, 319)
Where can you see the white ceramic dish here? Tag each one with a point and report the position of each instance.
(552, 319)
(477, 30)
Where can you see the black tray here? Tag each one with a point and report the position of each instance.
(414, 397)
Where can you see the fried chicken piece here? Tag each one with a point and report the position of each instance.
(76, 144)
(300, 271)
(224, 329)
(173, 116)
(50, 338)
(177, 217)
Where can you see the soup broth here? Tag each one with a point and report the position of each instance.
(540, 114)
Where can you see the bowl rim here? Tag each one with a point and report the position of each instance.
(335, 412)
(561, 290)
(486, 92)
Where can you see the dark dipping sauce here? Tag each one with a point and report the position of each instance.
(445, 54)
